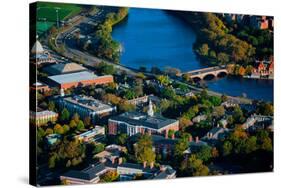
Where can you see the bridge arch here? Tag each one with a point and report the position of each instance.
(196, 79)
(209, 76)
(221, 74)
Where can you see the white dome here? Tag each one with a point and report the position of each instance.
(37, 48)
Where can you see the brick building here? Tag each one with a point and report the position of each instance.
(132, 123)
(78, 79)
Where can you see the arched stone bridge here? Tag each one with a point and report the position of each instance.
(211, 72)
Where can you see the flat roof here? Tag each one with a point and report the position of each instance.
(137, 118)
(88, 102)
(73, 77)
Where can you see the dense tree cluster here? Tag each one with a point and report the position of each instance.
(215, 43)
(143, 150)
(104, 46)
(67, 153)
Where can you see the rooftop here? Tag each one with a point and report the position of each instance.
(37, 48)
(63, 68)
(138, 118)
(73, 77)
(88, 173)
(88, 102)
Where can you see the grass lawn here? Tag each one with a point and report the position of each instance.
(46, 10)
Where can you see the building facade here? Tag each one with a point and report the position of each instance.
(86, 106)
(41, 117)
(78, 79)
(132, 123)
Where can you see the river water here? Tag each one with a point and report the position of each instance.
(152, 37)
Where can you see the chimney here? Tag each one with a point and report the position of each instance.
(144, 164)
(173, 136)
(120, 160)
(197, 139)
(151, 165)
(190, 139)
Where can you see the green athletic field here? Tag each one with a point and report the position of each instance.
(46, 10)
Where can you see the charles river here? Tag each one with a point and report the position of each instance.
(157, 38)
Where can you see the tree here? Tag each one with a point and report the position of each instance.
(168, 93)
(164, 80)
(51, 106)
(72, 124)
(122, 138)
(76, 118)
(251, 144)
(138, 89)
(197, 167)
(143, 149)
(105, 68)
(227, 148)
(80, 125)
(264, 140)
(204, 50)
(248, 70)
(242, 71)
(223, 58)
(124, 106)
(184, 122)
(49, 131)
(67, 150)
(141, 76)
(58, 129)
(64, 115)
(52, 161)
(129, 94)
(65, 128)
(180, 147)
(265, 109)
(109, 176)
(164, 105)
(194, 167)
(111, 98)
(204, 153)
(98, 148)
(218, 111)
(238, 115)
(186, 77)
(87, 121)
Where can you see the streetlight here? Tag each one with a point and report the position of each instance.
(57, 12)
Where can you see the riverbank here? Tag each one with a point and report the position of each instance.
(213, 39)
(105, 47)
(151, 47)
